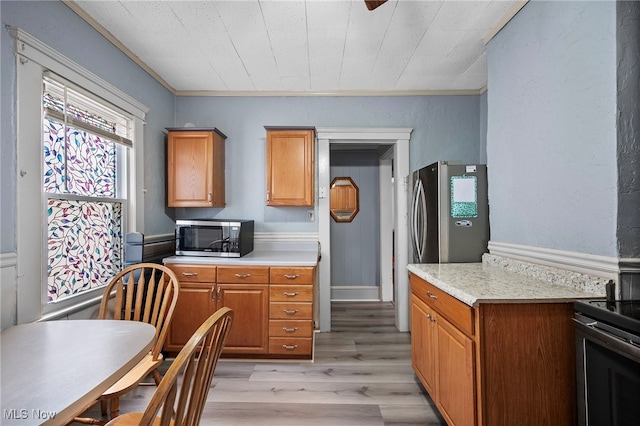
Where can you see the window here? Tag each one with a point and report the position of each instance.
(84, 152)
(55, 187)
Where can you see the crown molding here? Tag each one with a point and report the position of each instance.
(329, 93)
(513, 11)
(117, 43)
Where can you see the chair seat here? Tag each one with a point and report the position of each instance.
(132, 419)
(134, 376)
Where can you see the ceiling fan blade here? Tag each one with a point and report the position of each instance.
(372, 4)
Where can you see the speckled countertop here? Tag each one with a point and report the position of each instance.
(476, 283)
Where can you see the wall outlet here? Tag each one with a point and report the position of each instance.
(311, 215)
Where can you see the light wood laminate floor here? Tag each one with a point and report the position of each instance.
(361, 375)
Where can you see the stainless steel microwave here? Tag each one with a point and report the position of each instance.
(214, 237)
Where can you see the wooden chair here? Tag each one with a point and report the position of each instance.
(145, 292)
(195, 363)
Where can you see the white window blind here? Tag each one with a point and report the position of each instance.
(64, 102)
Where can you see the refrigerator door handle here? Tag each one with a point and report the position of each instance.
(419, 210)
(412, 222)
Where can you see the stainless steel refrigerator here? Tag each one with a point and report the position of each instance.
(449, 213)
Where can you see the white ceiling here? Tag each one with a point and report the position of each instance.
(304, 46)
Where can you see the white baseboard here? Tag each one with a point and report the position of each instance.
(355, 293)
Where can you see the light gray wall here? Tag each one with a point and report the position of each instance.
(483, 128)
(355, 253)
(551, 128)
(56, 25)
(444, 128)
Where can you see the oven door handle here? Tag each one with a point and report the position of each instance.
(589, 329)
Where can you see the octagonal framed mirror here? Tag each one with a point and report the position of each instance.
(344, 199)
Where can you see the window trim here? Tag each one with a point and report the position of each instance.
(33, 58)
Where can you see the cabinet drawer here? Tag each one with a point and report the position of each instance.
(243, 274)
(290, 328)
(194, 273)
(290, 346)
(287, 275)
(452, 309)
(284, 310)
(287, 293)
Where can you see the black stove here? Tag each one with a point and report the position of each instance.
(624, 314)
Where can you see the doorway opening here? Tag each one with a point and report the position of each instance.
(362, 247)
(395, 144)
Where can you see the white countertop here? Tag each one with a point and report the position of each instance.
(475, 283)
(256, 257)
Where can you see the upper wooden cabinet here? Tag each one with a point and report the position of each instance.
(290, 166)
(195, 167)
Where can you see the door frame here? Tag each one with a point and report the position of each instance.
(398, 138)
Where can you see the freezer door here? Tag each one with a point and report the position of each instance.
(464, 238)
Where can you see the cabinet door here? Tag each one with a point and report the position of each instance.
(197, 301)
(250, 330)
(195, 169)
(456, 389)
(423, 344)
(290, 167)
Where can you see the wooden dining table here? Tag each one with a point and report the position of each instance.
(50, 371)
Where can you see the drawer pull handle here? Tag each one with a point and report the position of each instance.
(243, 275)
(290, 330)
(290, 311)
(189, 274)
(291, 277)
(290, 347)
(290, 294)
(431, 295)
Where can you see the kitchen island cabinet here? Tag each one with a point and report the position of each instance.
(492, 355)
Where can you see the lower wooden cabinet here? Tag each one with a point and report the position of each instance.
(291, 311)
(443, 359)
(245, 290)
(423, 343)
(494, 364)
(270, 320)
(456, 390)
